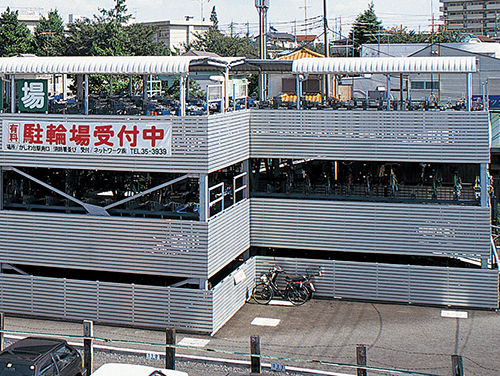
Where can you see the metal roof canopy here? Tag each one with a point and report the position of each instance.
(114, 64)
(385, 65)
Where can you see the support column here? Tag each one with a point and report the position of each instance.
(204, 210)
(483, 175)
(388, 93)
(12, 94)
(226, 89)
(182, 95)
(469, 92)
(297, 90)
(79, 87)
(64, 83)
(110, 85)
(245, 167)
(86, 95)
(1, 188)
(144, 91)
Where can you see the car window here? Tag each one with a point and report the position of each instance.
(48, 369)
(64, 357)
(12, 369)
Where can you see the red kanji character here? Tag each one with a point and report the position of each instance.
(130, 135)
(153, 134)
(13, 136)
(80, 135)
(32, 134)
(103, 133)
(56, 135)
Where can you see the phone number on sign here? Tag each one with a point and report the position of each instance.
(133, 151)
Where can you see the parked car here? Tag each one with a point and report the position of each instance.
(119, 369)
(37, 356)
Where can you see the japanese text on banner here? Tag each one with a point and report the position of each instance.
(88, 138)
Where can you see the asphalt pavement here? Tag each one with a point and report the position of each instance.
(319, 338)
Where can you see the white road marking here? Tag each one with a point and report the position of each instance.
(280, 303)
(455, 314)
(193, 342)
(262, 321)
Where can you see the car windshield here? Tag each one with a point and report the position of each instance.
(13, 369)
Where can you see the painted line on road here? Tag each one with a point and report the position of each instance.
(455, 314)
(193, 342)
(262, 321)
(280, 303)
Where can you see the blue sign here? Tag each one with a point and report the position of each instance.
(494, 100)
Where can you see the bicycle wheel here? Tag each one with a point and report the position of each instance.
(297, 295)
(262, 293)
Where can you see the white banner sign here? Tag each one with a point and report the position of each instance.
(113, 138)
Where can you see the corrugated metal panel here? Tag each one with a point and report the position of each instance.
(200, 144)
(368, 227)
(128, 245)
(228, 236)
(229, 297)
(104, 64)
(107, 302)
(406, 136)
(463, 287)
(228, 139)
(436, 64)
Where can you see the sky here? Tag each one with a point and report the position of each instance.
(302, 16)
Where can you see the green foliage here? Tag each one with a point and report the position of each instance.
(214, 19)
(216, 42)
(15, 37)
(403, 35)
(195, 91)
(107, 34)
(365, 29)
(49, 35)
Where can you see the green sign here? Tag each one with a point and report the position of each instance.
(33, 95)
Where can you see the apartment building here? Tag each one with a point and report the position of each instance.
(475, 17)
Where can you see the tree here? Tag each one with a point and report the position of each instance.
(107, 34)
(49, 35)
(214, 41)
(365, 29)
(214, 19)
(403, 35)
(15, 37)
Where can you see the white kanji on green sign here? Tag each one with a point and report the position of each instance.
(33, 95)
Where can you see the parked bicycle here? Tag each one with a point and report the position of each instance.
(296, 291)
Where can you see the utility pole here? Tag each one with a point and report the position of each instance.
(327, 51)
(262, 7)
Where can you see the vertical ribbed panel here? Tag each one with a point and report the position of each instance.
(405, 136)
(107, 302)
(117, 244)
(368, 227)
(228, 236)
(229, 297)
(463, 287)
(228, 139)
(200, 144)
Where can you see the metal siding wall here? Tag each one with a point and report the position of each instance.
(107, 302)
(348, 226)
(118, 244)
(228, 298)
(404, 136)
(229, 236)
(198, 142)
(395, 283)
(228, 139)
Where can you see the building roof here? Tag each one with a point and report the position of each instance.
(113, 64)
(301, 54)
(383, 65)
(306, 38)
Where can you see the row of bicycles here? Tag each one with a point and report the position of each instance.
(297, 290)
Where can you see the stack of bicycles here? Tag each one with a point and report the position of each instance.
(298, 290)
